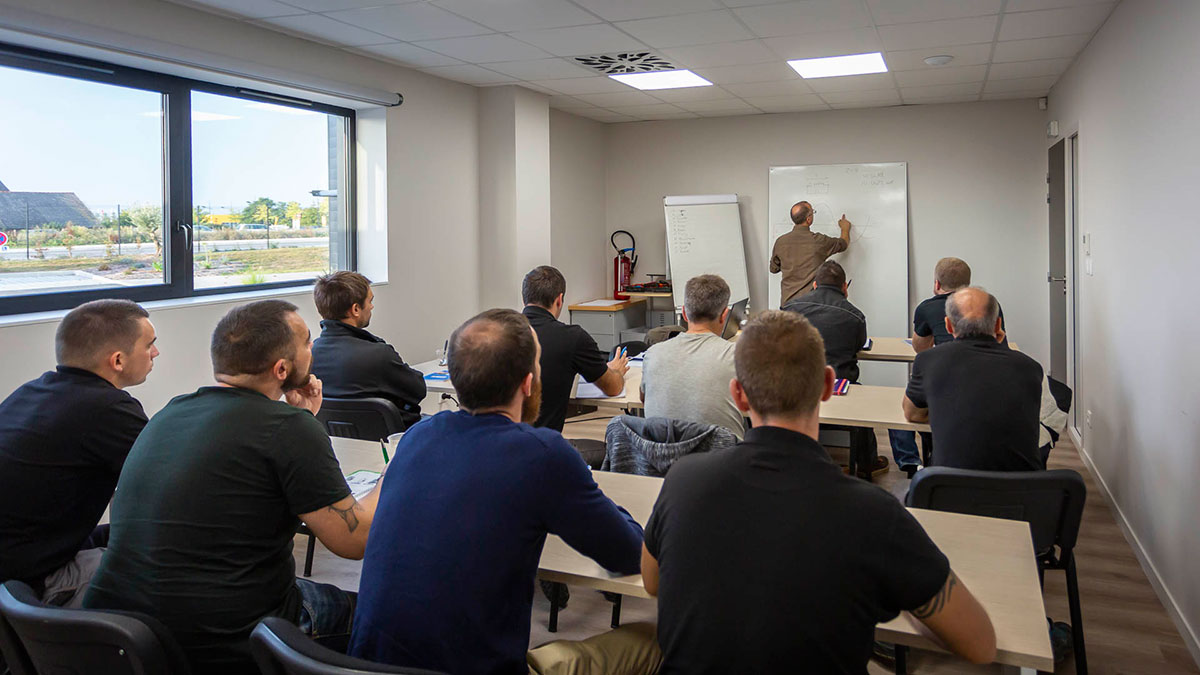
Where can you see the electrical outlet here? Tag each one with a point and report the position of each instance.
(1087, 419)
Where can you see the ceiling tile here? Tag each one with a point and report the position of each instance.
(409, 55)
(939, 100)
(580, 40)
(484, 48)
(755, 72)
(914, 59)
(249, 9)
(1008, 71)
(688, 94)
(598, 84)
(721, 54)
(1051, 22)
(536, 87)
(624, 98)
(334, 5)
(791, 102)
(684, 115)
(913, 11)
(687, 29)
(795, 85)
(650, 109)
(792, 108)
(323, 28)
(1032, 5)
(833, 43)
(513, 15)
(417, 21)
(1062, 47)
(967, 89)
(624, 10)
(567, 102)
(470, 74)
(1042, 84)
(540, 69)
(859, 105)
(940, 75)
(727, 113)
(1004, 95)
(606, 116)
(852, 83)
(714, 106)
(935, 33)
(804, 16)
(884, 96)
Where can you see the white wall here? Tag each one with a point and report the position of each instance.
(1132, 96)
(976, 180)
(427, 184)
(578, 238)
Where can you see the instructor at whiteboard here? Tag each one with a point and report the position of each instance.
(800, 252)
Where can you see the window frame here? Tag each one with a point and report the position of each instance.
(178, 263)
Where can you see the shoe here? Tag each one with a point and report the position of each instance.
(1062, 641)
(879, 466)
(548, 591)
(911, 469)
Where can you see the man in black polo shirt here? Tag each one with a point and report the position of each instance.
(352, 363)
(63, 440)
(772, 529)
(843, 328)
(981, 399)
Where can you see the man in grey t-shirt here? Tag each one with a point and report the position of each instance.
(687, 377)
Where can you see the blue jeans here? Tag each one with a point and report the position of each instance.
(326, 613)
(904, 447)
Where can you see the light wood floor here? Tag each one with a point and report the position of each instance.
(1126, 627)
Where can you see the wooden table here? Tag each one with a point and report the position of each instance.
(993, 558)
(896, 349)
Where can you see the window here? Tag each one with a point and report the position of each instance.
(117, 182)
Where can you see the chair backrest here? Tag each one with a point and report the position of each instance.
(13, 658)
(1061, 393)
(366, 419)
(68, 641)
(1050, 501)
(280, 648)
(632, 349)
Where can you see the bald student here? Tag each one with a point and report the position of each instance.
(800, 252)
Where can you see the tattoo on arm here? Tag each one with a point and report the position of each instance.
(347, 515)
(939, 599)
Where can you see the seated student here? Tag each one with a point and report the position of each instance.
(349, 361)
(63, 440)
(213, 490)
(447, 582)
(771, 530)
(687, 377)
(981, 399)
(843, 328)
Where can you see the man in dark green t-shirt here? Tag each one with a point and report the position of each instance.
(212, 492)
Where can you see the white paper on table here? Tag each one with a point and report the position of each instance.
(362, 482)
(585, 389)
(601, 303)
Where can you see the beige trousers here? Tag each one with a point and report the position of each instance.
(631, 649)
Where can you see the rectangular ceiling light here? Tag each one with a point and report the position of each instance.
(838, 66)
(662, 79)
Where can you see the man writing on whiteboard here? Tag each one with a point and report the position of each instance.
(800, 252)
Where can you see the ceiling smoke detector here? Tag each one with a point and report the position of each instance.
(626, 62)
(939, 60)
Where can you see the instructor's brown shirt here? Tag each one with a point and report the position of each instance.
(798, 254)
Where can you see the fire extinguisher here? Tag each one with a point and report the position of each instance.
(623, 264)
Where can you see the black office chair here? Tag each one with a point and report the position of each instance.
(279, 648)
(59, 640)
(1050, 501)
(13, 658)
(632, 349)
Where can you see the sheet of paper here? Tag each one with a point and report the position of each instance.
(586, 389)
(601, 303)
(362, 481)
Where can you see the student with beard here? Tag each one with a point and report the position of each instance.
(212, 492)
(447, 581)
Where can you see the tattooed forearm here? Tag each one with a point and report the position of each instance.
(347, 515)
(939, 599)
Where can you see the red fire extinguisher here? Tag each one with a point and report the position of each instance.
(623, 264)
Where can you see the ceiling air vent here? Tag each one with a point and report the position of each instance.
(626, 62)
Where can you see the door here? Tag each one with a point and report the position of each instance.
(1056, 276)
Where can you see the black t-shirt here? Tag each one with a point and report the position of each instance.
(63, 440)
(204, 517)
(930, 319)
(772, 529)
(984, 400)
(567, 351)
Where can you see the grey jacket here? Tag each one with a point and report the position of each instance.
(648, 446)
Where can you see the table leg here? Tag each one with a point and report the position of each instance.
(1016, 670)
(616, 611)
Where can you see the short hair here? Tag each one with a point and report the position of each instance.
(952, 274)
(983, 325)
(801, 211)
(780, 363)
(542, 285)
(830, 274)
(489, 357)
(94, 330)
(705, 297)
(335, 294)
(249, 339)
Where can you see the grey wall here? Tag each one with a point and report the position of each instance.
(578, 238)
(1132, 96)
(976, 181)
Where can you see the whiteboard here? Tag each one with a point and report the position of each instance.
(704, 236)
(874, 198)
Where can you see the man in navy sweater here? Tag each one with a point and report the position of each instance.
(448, 578)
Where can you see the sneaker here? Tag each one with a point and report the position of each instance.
(911, 469)
(1062, 642)
(548, 591)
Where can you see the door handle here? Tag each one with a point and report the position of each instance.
(1054, 278)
